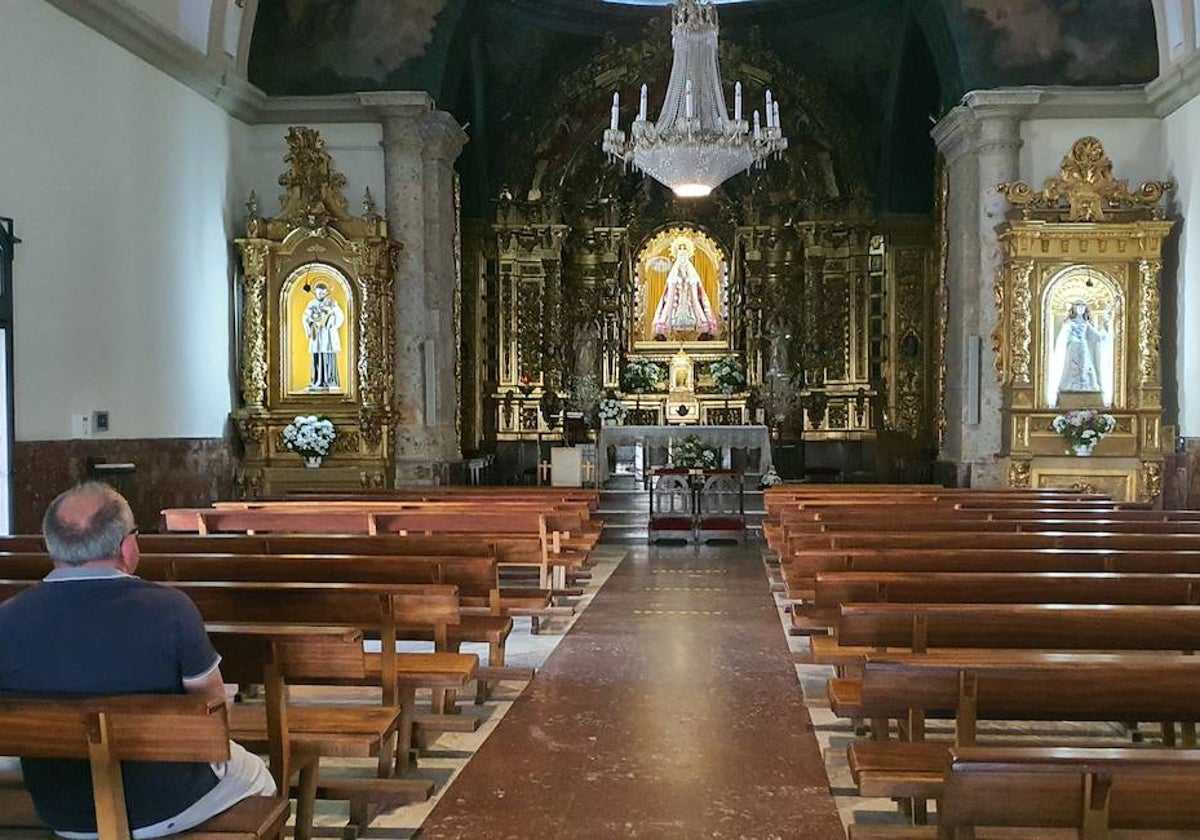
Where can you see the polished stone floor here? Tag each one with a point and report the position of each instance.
(670, 710)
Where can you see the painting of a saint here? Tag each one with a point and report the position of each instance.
(323, 320)
(684, 306)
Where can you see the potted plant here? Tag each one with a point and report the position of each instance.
(1082, 429)
(310, 436)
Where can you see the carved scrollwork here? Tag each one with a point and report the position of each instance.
(314, 187)
(1149, 322)
(254, 334)
(1019, 474)
(1020, 320)
(1086, 191)
(1152, 479)
(372, 421)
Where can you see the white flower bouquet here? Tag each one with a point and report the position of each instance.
(693, 454)
(611, 412)
(310, 435)
(728, 374)
(642, 376)
(1083, 427)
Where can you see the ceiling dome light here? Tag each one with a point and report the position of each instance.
(694, 146)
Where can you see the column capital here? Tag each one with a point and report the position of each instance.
(410, 119)
(443, 137)
(956, 133)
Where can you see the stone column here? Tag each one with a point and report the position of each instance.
(981, 140)
(420, 146)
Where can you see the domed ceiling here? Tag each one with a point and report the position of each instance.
(893, 65)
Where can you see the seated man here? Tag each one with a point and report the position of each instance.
(92, 628)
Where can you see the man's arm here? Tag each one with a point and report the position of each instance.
(208, 685)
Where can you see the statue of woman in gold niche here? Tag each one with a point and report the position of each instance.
(1080, 356)
(684, 306)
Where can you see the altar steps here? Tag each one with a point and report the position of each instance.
(625, 510)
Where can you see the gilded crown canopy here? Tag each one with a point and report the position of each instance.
(1086, 191)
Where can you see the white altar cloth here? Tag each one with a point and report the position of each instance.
(726, 438)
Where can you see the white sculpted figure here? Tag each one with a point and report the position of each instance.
(323, 320)
(684, 306)
(1081, 361)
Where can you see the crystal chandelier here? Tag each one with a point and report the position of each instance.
(694, 146)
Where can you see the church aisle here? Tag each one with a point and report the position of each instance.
(670, 710)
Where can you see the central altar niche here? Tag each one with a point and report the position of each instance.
(682, 278)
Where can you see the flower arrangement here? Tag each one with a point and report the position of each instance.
(641, 376)
(611, 412)
(310, 435)
(770, 478)
(691, 453)
(1082, 429)
(728, 374)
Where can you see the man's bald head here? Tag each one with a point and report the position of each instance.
(87, 524)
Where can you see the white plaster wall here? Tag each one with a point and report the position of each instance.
(1182, 164)
(119, 179)
(1134, 144)
(356, 152)
(187, 20)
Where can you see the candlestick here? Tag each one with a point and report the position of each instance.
(737, 102)
(757, 127)
(644, 110)
(770, 111)
(616, 110)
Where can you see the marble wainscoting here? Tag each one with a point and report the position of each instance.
(170, 472)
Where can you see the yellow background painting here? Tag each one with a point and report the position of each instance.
(295, 351)
(654, 264)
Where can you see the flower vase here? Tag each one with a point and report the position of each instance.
(312, 461)
(1083, 450)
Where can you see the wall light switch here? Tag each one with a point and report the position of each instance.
(81, 424)
(99, 421)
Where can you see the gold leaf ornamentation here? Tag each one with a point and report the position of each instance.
(1019, 474)
(1149, 322)
(1086, 191)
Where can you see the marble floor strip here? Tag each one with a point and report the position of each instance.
(670, 710)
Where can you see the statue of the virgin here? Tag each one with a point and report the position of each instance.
(1081, 361)
(684, 306)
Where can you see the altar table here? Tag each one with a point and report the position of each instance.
(725, 438)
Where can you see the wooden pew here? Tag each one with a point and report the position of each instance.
(387, 611)
(106, 731)
(277, 656)
(971, 687)
(834, 589)
(532, 545)
(867, 628)
(1092, 792)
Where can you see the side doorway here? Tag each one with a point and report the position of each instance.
(8, 243)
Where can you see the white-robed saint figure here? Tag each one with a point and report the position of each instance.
(684, 306)
(1081, 361)
(323, 320)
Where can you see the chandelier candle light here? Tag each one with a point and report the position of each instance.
(694, 146)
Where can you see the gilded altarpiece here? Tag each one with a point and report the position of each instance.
(1079, 308)
(826, 306)
(315, 331)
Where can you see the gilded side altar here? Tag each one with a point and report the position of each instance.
(316, 315)
(1079, 305)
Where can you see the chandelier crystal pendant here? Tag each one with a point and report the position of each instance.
(694, 146)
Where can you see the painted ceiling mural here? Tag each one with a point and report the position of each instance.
(1089, 42)
(367, 41)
